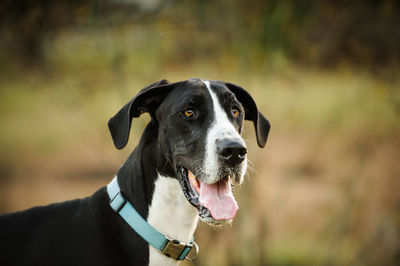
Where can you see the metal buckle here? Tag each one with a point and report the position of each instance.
(174, 249)
(191, 255)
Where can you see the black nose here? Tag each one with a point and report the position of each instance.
(231, 151)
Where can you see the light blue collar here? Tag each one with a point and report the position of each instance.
(169, 247)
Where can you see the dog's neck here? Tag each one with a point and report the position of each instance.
(171, 214)
(138, 174)
(158, 199)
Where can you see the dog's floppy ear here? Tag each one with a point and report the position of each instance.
(147, 100)
(261, 124)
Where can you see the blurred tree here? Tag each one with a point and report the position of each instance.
(26, 24)
(324, 33)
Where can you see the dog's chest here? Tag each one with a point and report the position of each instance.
(171, 214)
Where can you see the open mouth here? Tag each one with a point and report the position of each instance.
(214, 202)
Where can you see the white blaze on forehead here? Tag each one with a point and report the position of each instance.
(220, 128)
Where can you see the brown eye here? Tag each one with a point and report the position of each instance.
(235, 112)
(189, 113)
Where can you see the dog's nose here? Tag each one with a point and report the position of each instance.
(231, 151)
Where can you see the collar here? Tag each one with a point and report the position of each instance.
(169, 247)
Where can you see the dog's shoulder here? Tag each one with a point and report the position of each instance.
(46, 226)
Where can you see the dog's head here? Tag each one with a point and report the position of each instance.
(199, 125)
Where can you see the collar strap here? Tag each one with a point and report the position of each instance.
(169, 247)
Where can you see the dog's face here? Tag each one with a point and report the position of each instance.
(199, 127)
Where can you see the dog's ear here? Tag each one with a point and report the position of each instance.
(147, 100)
(261, 124)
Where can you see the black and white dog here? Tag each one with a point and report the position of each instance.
(189, 156)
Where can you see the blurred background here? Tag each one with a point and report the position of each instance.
(324, 191)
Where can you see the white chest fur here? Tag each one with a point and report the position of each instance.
(171, 214)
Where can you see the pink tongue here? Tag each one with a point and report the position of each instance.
(219, 200)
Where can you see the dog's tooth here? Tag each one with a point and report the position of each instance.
(193, 180)
(191, 175)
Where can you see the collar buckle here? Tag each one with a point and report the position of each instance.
(179, 250)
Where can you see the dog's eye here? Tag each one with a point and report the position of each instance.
(189, 113)
(235, 112)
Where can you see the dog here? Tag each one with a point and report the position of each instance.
(183, 169)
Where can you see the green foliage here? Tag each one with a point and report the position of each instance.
(321, 33)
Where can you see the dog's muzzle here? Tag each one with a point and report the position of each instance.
(215, 202)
